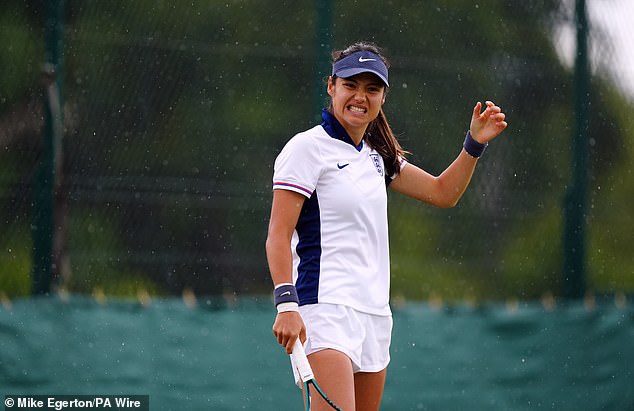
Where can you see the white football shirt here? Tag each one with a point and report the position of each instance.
(340, 243)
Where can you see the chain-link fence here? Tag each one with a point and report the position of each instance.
(174, 113)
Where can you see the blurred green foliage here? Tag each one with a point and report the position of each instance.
(611, 260)
(176, 112)
(21, 52)
(15, 266)
(100, 268)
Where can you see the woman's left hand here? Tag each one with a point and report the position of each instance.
(487, 125)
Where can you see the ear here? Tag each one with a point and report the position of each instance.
(331, 86)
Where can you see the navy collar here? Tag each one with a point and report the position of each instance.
(336, 130)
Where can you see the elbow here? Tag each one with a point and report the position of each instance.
(268, 245)
(442, 196)
(449, 203)
(275, 242)
(439, 202)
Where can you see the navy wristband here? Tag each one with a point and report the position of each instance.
(472, 147)
(285, 294)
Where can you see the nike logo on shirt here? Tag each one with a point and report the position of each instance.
(340, 166)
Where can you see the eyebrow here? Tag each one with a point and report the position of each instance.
(376, 83)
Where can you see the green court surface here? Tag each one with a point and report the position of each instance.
(221, 356)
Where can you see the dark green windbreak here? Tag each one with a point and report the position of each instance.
(221, 356)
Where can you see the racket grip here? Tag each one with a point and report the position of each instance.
(301, 362)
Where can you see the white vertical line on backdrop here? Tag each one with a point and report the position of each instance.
(611, 39)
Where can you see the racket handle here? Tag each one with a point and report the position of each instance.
(301, 362)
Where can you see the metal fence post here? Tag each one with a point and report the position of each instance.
(43, 226)
(574, 241)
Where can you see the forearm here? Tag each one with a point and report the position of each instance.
(288, 324)
(484, 127)
(280, 260)
(285, 211)
(453, 182)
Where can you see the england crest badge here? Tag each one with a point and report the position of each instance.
(376, 160)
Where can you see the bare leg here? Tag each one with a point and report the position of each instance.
(368, 390)
(333, 372)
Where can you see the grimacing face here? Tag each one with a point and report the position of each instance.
(356, 101)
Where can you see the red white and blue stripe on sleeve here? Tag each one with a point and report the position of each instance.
(293, 187)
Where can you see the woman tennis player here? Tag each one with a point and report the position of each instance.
(327, 244)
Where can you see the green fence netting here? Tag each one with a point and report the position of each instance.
(220, 355)
(175, 111)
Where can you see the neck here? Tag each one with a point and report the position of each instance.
(356, 135)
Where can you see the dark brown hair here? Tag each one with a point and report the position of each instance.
(378, 134)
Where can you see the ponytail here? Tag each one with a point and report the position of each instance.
(381, 138)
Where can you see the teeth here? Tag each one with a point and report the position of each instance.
(357, 109)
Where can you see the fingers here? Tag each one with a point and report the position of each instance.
(497, 116)
(491, 109)
(487, 125)
(289, 345)
(476, 110)
(283, 335)
(286, 340)
(494, 113)
(287, 328)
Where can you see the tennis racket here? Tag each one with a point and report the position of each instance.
(307, 376)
